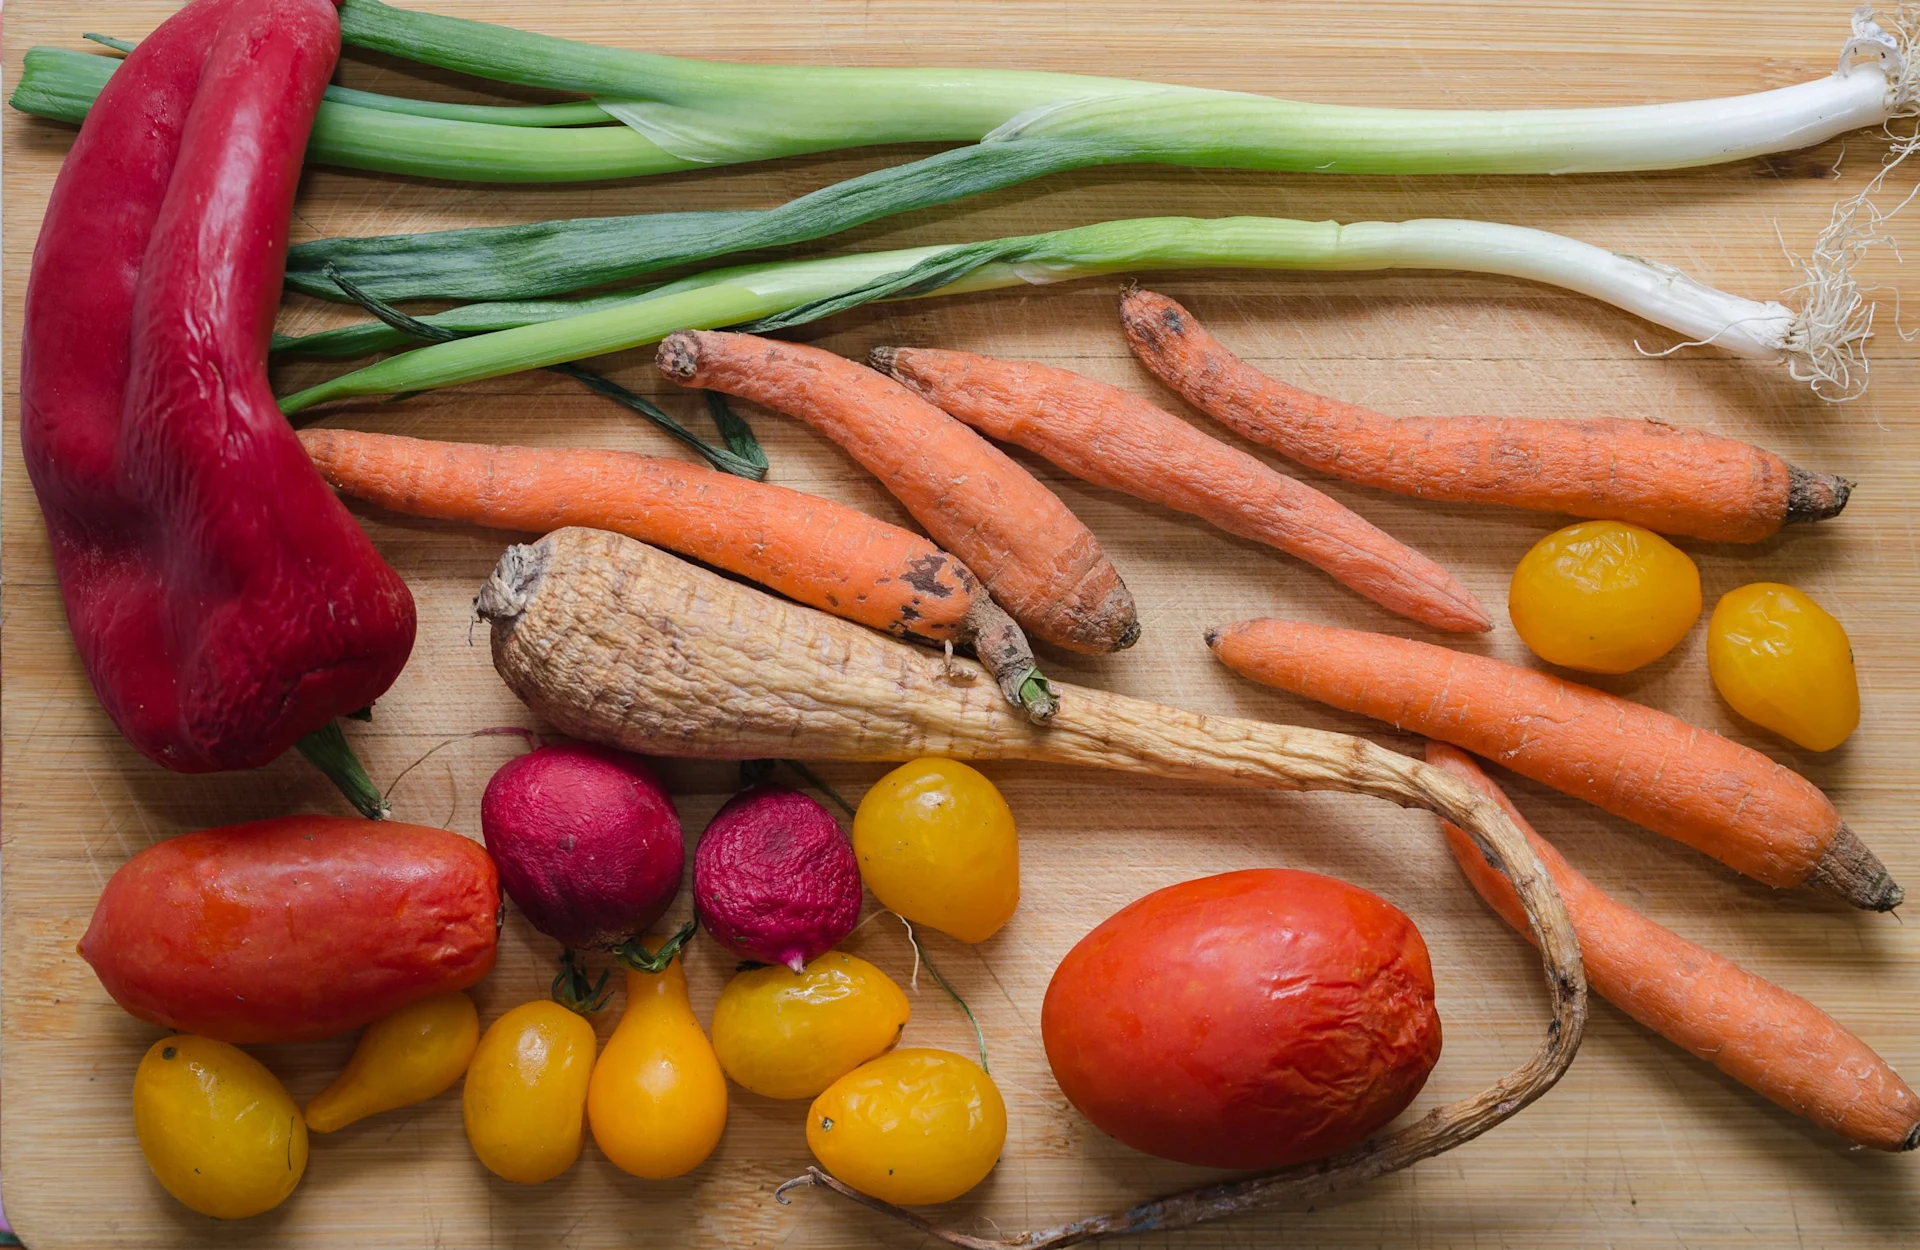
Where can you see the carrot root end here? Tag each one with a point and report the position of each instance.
(1849, 871)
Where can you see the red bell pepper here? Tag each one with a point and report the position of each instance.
(223, 601)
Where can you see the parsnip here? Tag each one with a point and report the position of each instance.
(613, 641)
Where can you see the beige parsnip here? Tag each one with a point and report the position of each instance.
(613, 641)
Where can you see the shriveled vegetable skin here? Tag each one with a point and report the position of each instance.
(1250, 1020)
(292, 929)
(224, 603)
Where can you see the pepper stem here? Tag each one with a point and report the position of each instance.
(632, 954)
(327, 750)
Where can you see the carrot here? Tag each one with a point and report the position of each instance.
(1036, 558)
(1670, 480)
(1774, 1042)
(1656, 770)
(1120, 441)
(818, 552)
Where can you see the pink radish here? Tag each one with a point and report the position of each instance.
(587, 843)
(774, 879)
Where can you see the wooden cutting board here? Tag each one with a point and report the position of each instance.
(1641, 1145)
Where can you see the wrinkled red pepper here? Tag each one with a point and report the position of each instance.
(224, 602)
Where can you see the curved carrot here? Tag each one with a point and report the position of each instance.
(1036, 558)
(1774, 1042)
(1670, 480)
(1656, 770)
(1114, 439)
(813, 550)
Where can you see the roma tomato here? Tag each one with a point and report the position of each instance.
(936, 844)
(292, 929)
(1250, 1020)
(217, 1128)
(658, 1101)
(914, 1126)
(414, 1054)
(788, 1036)
(526, 1092)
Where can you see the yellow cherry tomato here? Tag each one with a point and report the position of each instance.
(526, 1092)
(936, 843)
(219, 1131)
(914, 1126)
(658, 1100)
(788, 1036)
(1782, 661)
(414, 1054)
(1603, 597)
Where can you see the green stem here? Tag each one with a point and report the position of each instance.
(572, 990)
(920, 952)
(633, 953)
(327, 749)
(751, 465)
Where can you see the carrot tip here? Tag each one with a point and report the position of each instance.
(1213, 637)
(1814, 496)
(678, 356)
(1913, 1139)
(1848, 870)
(881, 359)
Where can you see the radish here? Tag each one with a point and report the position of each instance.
(587, 843)
(774, 878)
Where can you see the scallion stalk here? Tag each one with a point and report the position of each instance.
(811, 108)
(775, 295)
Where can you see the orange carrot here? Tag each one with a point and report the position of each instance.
(1670, 480)
(1036, 558)
(1114, 439)
(1774, 1042)
(1656, 770)
(818, 552)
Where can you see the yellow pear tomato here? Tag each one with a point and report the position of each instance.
(936, 843)
(788, 1036)
(1603, 597)
(526, 1092)
(913, 1126)
(658, 1101)
(414, 1054)
(1782, 661)
(219, 1131)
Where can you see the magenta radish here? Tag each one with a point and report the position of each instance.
(774, 878)
(587, 843)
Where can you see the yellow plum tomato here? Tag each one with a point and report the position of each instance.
(936, 844)
(219, 1131)
(784, 1035)
(914, 1126)
(526, 1092)
(1783, 662)
(1603, 597)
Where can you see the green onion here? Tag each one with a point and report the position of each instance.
(684, 113)
(694, 108)
(1822, 345)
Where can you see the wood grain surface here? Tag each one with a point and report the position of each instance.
(1641, 1145)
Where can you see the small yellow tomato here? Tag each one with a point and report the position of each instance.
(219, 1131)
(526, 1092)
(658, 1101)
(1782, 661)
(788, 1036)
(914, 1126)
(414, 1054)
(1603, 597)
(936, 843)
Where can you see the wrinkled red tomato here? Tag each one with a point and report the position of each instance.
(292, 929)
(1249, 1020)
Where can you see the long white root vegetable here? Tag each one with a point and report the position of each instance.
(615, 642)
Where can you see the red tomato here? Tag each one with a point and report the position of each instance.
(291, 929)
(1249, 1020)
